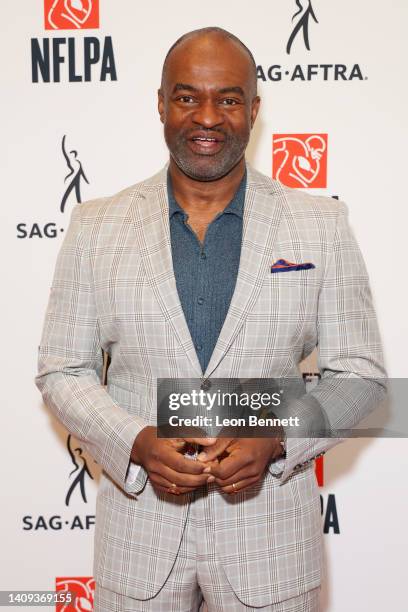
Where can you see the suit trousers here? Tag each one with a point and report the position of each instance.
(197, 581)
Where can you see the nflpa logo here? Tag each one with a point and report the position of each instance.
(71, 14)
(82, 590)
(300, 160)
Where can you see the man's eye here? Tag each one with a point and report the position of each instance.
(229, 101)
(186, 99)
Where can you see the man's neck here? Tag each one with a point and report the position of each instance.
(205, 197)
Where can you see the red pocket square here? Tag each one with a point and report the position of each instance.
(283, 265)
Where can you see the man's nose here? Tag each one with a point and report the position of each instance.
(208, 114)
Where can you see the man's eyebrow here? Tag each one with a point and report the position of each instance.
(235, 89)
(183, 86)
(224, 90)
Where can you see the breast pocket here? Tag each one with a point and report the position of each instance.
(287, 294)
(285, 313)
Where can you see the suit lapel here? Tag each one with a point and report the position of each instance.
(262, 212)
(264, 201)
(150, 216)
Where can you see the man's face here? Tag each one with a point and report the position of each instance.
(208, 106)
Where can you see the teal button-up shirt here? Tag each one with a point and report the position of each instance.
(206, 273)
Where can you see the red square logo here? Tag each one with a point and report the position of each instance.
(319, 471)
(300, 160)
(71, 14)
(83, 590)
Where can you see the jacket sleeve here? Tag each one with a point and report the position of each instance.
(70, 364)
(350, 359)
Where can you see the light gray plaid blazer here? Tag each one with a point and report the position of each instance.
(114, 288)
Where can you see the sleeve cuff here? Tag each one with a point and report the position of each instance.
(133, 471)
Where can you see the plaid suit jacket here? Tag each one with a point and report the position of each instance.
(114, 288)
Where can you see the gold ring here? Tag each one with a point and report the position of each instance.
(174, 486)
(234, 487)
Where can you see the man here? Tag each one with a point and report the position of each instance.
(176, 277)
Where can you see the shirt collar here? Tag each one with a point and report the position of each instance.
(236, 206)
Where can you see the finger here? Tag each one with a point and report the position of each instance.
(249, 471)
(160, 484)
(231, 465)
(166, 486)
(176, 492)
(179, 463)
(176, 442)
(201, 441)
(209, 465)
(217, 449)
(240, 485)
(159, 489)
(169, 490)
(180, 479)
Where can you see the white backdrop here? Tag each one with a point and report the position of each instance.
(114, 127)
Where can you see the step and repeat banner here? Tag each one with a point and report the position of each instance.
(79, 120)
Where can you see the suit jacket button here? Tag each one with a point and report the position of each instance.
(205, 385)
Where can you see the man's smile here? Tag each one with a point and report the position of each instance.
(203, 143)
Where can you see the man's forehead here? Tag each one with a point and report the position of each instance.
(207, 74)
(212, 55)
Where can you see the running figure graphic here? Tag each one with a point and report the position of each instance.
(302, 24)
(81, 472)
(75, 174)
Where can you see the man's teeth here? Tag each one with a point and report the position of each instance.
(206, 139)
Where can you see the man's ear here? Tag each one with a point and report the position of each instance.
(160, 104)
(256, 102)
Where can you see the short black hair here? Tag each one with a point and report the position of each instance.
(224, 34)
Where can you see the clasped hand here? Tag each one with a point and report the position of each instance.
(232, 463)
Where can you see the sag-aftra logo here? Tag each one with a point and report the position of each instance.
(303, 26)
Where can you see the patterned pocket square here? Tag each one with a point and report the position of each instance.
(283, 265)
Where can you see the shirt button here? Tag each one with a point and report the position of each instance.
(199, 347)
(200, 300)
(203, 256)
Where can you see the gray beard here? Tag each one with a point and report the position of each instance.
(212, 167)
